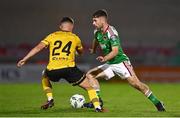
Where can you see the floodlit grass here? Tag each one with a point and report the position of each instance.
(120, 99)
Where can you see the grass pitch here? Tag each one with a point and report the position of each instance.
(120, 99)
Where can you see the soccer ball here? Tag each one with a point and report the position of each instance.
(77, 101)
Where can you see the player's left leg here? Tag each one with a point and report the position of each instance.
(76, 77)
(93, 81)
(136, 83)
(92, 94)
(102, 71)
(95, 84)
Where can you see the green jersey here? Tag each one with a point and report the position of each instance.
(107, 40)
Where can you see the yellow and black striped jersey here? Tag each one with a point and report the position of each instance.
(62, 48)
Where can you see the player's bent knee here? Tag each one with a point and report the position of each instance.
(88, 75)
(85, 86)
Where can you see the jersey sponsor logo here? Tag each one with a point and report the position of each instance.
(59, 58)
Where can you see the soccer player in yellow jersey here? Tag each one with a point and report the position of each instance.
(63, 46)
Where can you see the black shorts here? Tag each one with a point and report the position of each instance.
(72, 74)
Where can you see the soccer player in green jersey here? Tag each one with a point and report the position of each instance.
(116, 62)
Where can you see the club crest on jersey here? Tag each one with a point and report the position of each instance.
(105, 37)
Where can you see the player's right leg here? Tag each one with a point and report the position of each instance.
(47, 87)
(48, 76)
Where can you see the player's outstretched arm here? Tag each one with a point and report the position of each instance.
(31, 53)
(94, 47)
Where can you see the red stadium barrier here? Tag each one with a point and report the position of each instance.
(158, 74)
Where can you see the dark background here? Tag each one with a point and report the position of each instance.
(149, 29)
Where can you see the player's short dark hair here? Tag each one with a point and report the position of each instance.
(67, 19)
(99, 13)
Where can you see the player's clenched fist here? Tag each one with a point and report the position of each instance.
(21, 63)
(101, 59)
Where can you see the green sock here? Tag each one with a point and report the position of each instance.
(98, 93)
(153, 99)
